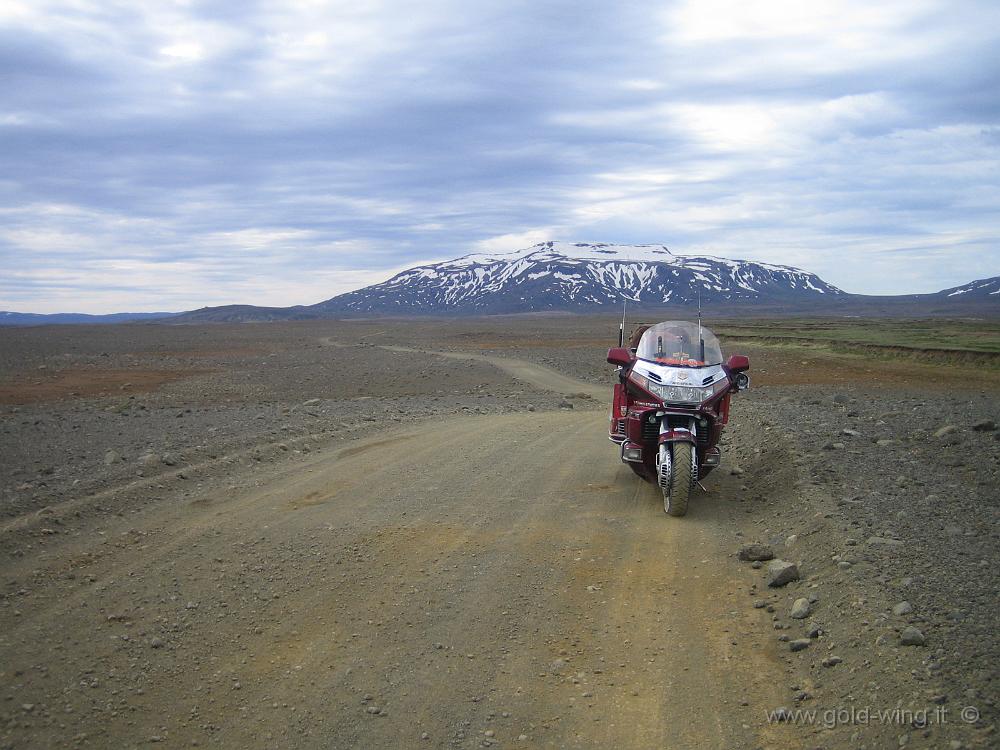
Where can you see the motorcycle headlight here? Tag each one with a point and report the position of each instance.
(680, 394)
(664, 392)
(716, 388)
(642, 381)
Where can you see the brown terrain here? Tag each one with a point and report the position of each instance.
(375, 534)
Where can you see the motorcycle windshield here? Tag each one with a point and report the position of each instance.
(677, 343)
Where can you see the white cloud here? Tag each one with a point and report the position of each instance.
(198, 153)
(515, 240)
(183, 51)
(820, 36)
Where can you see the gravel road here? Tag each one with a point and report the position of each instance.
(471, 581)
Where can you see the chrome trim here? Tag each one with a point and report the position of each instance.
(692, 426)
(663, 467)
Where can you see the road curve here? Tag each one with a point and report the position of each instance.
(529, 372)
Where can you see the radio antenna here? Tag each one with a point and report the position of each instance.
(621, 328)
(701, 339)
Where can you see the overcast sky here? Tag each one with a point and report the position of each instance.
(161, 155)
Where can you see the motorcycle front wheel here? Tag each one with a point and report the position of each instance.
(682, 479)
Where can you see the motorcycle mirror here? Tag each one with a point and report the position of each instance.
(620, 356)
(738, 363)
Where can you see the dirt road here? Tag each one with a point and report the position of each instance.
(529, 372)
(472, 581)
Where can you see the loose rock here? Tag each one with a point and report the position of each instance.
(911, 637)
(801, 609)
(781, 572)
(756, 551)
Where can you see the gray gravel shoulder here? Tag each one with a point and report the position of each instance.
(894, 525)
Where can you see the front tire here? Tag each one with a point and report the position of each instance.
(682, 479)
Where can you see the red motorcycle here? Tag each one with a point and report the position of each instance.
(671, 404)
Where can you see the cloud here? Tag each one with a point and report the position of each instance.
(163, 155)
(505, 242)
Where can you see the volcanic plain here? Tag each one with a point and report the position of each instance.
(400, 533)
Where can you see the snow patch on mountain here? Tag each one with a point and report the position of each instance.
(980, 288)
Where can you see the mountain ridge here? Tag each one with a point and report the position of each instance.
(11, 318)
(581, 277)
(578, 276)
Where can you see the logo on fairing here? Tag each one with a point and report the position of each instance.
(682, 376)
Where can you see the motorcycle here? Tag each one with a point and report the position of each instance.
(671, 404)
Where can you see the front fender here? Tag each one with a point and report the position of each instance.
(677, 435)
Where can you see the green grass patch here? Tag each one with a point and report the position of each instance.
(921, 335)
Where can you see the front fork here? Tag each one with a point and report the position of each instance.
(668, 435)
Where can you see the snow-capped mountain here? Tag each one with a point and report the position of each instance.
(571, 276)
(582, 277)
(975, 289)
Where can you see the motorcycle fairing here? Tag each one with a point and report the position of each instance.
(681, 376)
